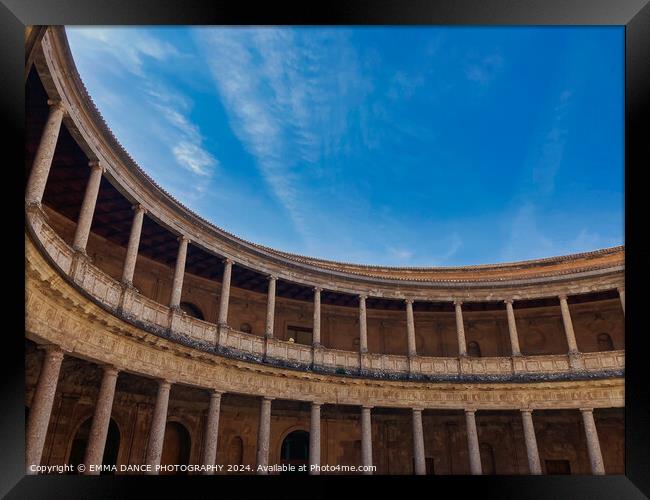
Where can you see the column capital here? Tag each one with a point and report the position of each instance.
(562, 296)
(267, 398)
(526, 410)
(458, 302)
(317, 289)
(228, 260)
(110, 370)
(165, 383)
(508, 301)
(272, 277)
(181, 238)
(316, 404)
(363, 296)
(56, 104)
(367, 407)
(620, 288)
(587, 410)
(215, 393)
(470, 411)
(53, 351)
(409, 301)
(137, 207)
(417, 409)
(96, 165)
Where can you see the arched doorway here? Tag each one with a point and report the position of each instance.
(80, 442)
(176, 447)
(295, 451)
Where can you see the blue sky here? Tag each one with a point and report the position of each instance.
(408, 146)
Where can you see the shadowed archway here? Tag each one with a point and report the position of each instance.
(80, 442)
(295, 451)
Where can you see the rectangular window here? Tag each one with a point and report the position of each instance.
(300, 334)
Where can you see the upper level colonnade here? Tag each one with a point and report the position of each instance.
(65, 108)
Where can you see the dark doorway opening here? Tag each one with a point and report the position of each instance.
(111, 449)
(295, 451)
(176, 448)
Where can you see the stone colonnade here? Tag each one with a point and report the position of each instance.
(43, 400)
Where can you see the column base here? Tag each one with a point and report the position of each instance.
(464, 364)
(518, 364)
(576, 361)
(364, 362)
(80, 262)
(126, 298)
(175, 313)
(317, 355)
(35, 209)
(222, 333)
(413, 365)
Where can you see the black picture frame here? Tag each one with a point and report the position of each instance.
(633, 14)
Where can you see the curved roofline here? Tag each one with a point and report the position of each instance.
(323, 264)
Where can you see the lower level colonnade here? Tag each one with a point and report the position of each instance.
(43, 402)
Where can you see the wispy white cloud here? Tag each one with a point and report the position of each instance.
(285, 94)
(400, 254)
(403, 85)
(525, 239)
(454, 243)
(125, 50)
(550, 156)
(187, 140)
(483, 69)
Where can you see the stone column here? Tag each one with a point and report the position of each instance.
(363, 325)
(314, 438)
(179, 273)
(209, 457)
(512, 328)
(88, 207)
(44, 154)
(41, 408)
(460, 329)
(568, 325)
(270, 307)
(621, 294)
(316, 334)
(531, 442)
(593, 444)
(101, 420)
(472, 443)
(225, 292)
(418, 443)
(134, 244)
(263, 435)
(366, 438)
(410, 328)
(157, 430)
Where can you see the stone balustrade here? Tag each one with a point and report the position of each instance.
(128, 303)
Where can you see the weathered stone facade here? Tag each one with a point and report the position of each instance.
(154, 337)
